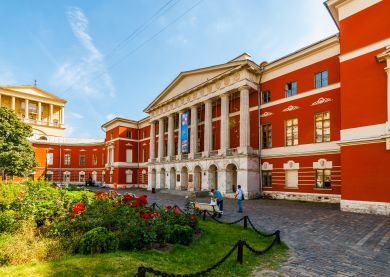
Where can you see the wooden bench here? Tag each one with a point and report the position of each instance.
(214, 209)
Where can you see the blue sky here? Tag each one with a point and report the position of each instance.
(87, 52)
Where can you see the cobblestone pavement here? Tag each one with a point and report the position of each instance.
(323, 241)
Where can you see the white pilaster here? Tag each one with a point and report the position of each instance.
(244, 120)
(194, 131)
(26, 118)
(160, 139)
(13, 103)
(208, 128)
(39, 112)
(225, 132)
(171, 136)
(152, 144)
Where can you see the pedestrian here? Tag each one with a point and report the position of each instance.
(217, 195)
(239, 196)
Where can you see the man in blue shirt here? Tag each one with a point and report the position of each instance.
(239, 196)
(217, 195)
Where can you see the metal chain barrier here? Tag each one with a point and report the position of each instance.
(220, 221)
(143, 270)
(261, 233)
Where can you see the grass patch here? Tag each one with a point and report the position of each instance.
(215, 242)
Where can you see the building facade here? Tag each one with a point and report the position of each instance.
(312, 125)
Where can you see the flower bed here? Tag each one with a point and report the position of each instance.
(63, 217)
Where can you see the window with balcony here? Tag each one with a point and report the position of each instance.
(321, 79)
(322, 127)
(266, 131)
(265, 97)
(67, 159)
(323, 178)
(290, 89)
(291, 126)
(82, 159)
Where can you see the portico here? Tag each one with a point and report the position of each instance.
(213, 158)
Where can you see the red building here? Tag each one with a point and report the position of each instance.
(323, 120)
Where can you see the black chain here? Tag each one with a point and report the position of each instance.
(259, 232)
(199, 273)
(261, 252)
(220, 221)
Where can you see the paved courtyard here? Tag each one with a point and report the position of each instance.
(323, 241)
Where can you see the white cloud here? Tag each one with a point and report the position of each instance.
(88, 76)
(75, 115)
(110, 116)
(177, 40)
(7, 77)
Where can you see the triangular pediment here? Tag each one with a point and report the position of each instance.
(33, 91)
(188, 80)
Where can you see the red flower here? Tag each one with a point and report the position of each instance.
(176, 210)
(193, 218)
(78, 208)
(127, 198)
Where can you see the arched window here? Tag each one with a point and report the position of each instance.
(129, 176)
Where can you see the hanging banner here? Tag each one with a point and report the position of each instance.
(184, 132)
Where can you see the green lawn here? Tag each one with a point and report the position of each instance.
(215, 242)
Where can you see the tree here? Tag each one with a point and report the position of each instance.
(17, 156)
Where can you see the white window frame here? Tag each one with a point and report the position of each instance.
(129, 176)
(129, 155)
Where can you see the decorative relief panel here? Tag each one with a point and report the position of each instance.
(322, 164)
(291, 165)
(266, 114)
(291, 108)
(321, 100)
(266, 166)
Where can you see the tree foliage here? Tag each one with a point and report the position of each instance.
(16, 152)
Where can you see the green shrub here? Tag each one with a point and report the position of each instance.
(8, 221)
(98, 240)
(181, 234)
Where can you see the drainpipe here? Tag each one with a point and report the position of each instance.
(139, 141)
(262, 67)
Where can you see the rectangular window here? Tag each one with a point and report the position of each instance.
(66, 176)
(82, 159)
(49, 158)
(323, 178)
(292, 132)
(322, 127)
(67, 159)
(111, 136)
(81, 177)
(94, 159)
(267, 178)
(291, 89)
(129, 155)
(321, 79)
(266, 96)
(266, 135)
(176, 121)
(129, 134)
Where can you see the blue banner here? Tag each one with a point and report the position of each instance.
(184, 132)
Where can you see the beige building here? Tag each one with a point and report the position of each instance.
(41, 109)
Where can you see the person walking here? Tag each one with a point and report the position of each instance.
(239, 196)
(217, 195)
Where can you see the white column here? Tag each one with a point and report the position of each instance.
(51, 115)
(244, 120)
(13, 103)
(39, 112)
(225, 132)
(208, 128)
(160, 139)
(194, 131)
(62, 119)
(152, 145)
(26, 110)
(171, 136)
(179, 137)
